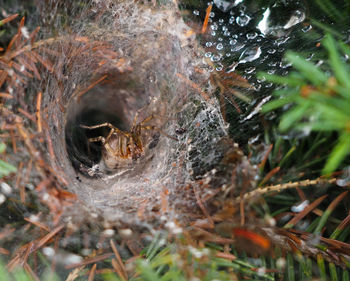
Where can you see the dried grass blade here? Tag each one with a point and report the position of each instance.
(337, 244)
(92, 273)
(269, 175)
(119, 260)
(32, 61)
(3, 76)
(329, 210)
(8, 19)
(306, 211)
(29, 64)
(47, 237)
(74, 274)
(22, 70)
(206, 19)
(14, 147)
(93, 84)
(283, 186)
(340, 227)
(118, 269)
(90, 260)
(30, 271)
(266, 156)
(26, 114)
(13, 40)
(21, 24)
(38, 112)
(35, 45)
(38, 224)
(30, 38)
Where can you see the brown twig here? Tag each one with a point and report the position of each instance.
(279, 187)
(206, 19)
(92, 273)
(118, 263)
(89, 261)
(80, 93)
(38, 112)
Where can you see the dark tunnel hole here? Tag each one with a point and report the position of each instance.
(89, 111)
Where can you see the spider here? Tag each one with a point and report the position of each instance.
(120, 146)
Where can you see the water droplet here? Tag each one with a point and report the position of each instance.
(251, 35)
(345, 178)
(214, 26)
(219, 46)
(319, 63)
(212, 14)
(271, 51)
(213, 33)
(296, 17)
(221, 21)
(249, 70)
(280, 18)
(209, 44)
(306, 28)
(250, 54)
(219, 67)
(300, 207)
(227, 33)
(208, 55)
(225, 6)
(231, 20)
(220, 39)
(243, 20)
(281, 41)
(257, 87)
(2, 198)
(309, 57)
(285, 64)
(237, 47)
(233, 42)
(196, 12)
(216, 58)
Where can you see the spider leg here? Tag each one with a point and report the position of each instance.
(159, 130)
(147, 119)
(109, 125)
(134, 122)
(101, 139)
(110, 134)
(98, 126)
